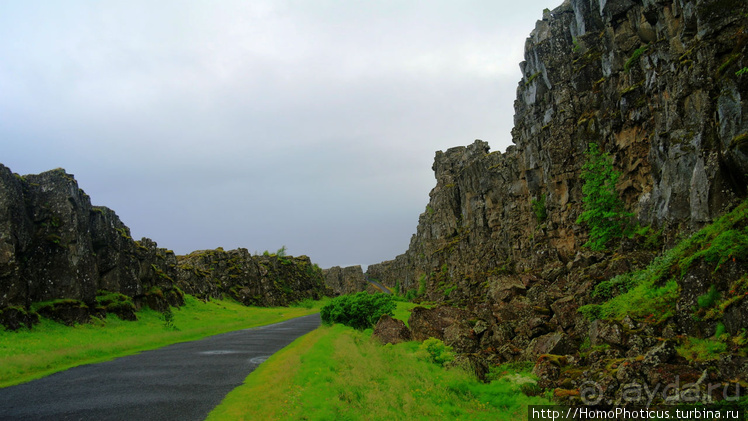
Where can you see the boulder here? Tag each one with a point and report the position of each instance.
(392, 331)
(556, 343)
(431, 322)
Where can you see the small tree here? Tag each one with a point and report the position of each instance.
(603, 212)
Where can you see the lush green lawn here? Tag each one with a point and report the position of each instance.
(51, 347)
(340, 373)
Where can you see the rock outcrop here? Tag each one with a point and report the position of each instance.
(653, 83)
(68, 260)
(263, 280)
(54, 245)
(347, 280)
(391, 331)
(660, 86)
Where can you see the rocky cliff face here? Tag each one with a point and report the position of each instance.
(653, 83)
(265, 280)
(66, 259)
(58, 248)
(346, 280)
(660, 86)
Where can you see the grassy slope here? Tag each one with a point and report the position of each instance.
(340, 373)
(655, 289)
(51, 347)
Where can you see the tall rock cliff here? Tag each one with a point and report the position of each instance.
(653, 83)
(56, 247)
(661, 86)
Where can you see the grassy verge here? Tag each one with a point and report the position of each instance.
(340, 373)
(51, 347)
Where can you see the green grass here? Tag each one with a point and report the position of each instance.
(51, 347)
(695, 349)
(336, 372)
(654, 290)
(402, 310)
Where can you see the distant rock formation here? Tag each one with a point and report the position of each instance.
(263, 280)
(346, 280)
(69, 260)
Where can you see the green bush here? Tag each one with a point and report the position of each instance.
(708, 299)
(538, 208)
(359, 311)
(603, 208)
(436, 351)
(635, 57)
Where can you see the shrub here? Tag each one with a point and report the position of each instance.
(708, 299)
(603, 208)
(422, 285)
(434, 350)
(538, 208)
(359, 311)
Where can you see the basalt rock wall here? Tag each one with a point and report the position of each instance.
(656, 84)
(660, 86)
(58, 253)
(347, 280)
(263, 280)
(54, 245)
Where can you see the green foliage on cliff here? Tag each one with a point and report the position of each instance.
(360, 310)
(655, 289)
(635, 57)
(603, 208)
(538, 208)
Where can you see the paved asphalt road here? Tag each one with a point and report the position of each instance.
(178, 382)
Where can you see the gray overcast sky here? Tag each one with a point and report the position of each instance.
(258, 124)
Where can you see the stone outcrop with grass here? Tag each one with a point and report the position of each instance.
(58, 253)
(65, 259)
(346, 280)
(659, 89)
(262, 280)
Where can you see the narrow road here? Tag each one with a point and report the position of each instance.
(179, 382)
(379, 286)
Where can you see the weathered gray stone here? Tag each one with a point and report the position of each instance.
(556, 343)
(347, 280)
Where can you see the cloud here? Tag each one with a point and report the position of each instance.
(310, 124)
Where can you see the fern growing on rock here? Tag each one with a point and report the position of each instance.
(603, 212)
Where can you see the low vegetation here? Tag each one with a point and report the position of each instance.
(655, 289)
(603, 213)
(337, 372)
(51, 347)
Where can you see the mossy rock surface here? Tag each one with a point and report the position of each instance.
(13, 318)
(67, 312)
(118, 304)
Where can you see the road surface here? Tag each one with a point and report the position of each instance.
(179, 382)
